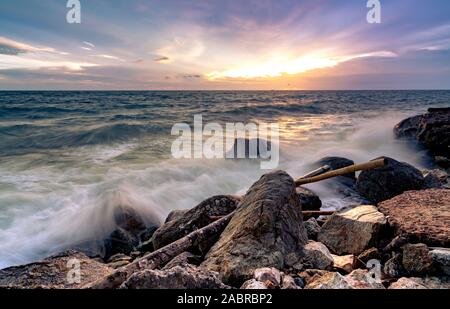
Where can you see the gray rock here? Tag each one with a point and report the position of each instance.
(408, 128)
(352, 231)
(317, 256)
(441, 258)
(416, 259)
(312, 228)
(267, 226)
(394, 267)
(435, 179)
(435, 283)
(308, 199)
(148, 233)
(186, 277)
(196, 218)
(383, 183)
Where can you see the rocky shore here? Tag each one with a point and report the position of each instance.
(397, 238)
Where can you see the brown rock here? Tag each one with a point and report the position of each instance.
(343, 263)
(406, 284)
(416, 259)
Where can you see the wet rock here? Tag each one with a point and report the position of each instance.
(352, 231)
(146, 246)
(308, 199)
(53, 272)
(383, 183)
(420, 216)
(267, 227)
(312, 228)
(272, 275)
(253, 284)
(441, 258)
(120, 241)
(394, 267)
(176, 214)
(343, 263)
(185, 258)
(406, 284)
(196, 218)
(435, 179)
(129, 220)
(408, 128)
(337, 163)
(416, 259)
(148, 233)
(361, 279)
(186, 277)
(317, 256)
(329, 281)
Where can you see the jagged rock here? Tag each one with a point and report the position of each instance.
(420, 216)
(148, 233)
(441, 258)
(288, 283)
(435, 179)
(128, 219)
(266, 227)
(329, 281)
(308, 199)
(361, 279)
(317, 256)
(196, 218)
(176, 214)
(352, 231)
(53, 272)
(366, 256)
(406, 284)
(309, 275)
(186, 277)
(312, 228)
(343, 263)
(272, 275)
(383, 183)
(408, 128)
(394, 267)
(416, 259)
(253, 284)
(185, 258)
(120, 241)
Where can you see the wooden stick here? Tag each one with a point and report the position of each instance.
(342, 171)
(317, 172)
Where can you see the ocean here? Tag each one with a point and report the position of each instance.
(69, 159)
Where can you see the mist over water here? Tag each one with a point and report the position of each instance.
(68, 160)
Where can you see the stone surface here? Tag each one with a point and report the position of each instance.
(148, 233)
(421, 216)
(441, 258)
(393, 268)
(361, 279)
(343, 263)
(196, 218)
(266, 227)
(52, 273)
(337, 163)
(312, 228)
(329, 281)
(253, 284)
(416, 259)
(308, 199)
(406, 284)
(186, 277)
(383, 183)
(434, 282)
(352, 231)
(185, 258)
(317, 256)
(408, 128)
(176, 214)
(120, 241)
(435, 179)
(272, 275)
(288, 283)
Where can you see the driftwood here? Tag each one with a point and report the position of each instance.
(163, 255)
(342, 171)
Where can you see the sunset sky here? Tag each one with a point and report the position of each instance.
(224, 44)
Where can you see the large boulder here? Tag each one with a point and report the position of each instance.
(383, 183)
(196, 218)
(352, 231)
(420, 216)
(54, 272)
(186, 277)
(267, 227)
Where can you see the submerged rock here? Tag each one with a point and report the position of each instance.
(186, 277)
(383, 183)
(196, 218)
(266, 227)
(420, 216)
(352, 231)
(56, 272)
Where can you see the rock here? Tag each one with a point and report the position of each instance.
(146, 246)
(420, 216)
(408, 128)
(435, 179)
(442, 161)
(120, 241)
(196, 218)
(406, 284)
(128, 219)
(186, 277)
(317, 256)
(366, 256)
(148, 233)
(308, 199)
(266, 227)
(176, 214)
(288, 283)
(185, 258)
(441, 258)
(118, 264)
(352, 231)
(309, 275)
(272, 275)
(383, 183)
(343, 263)
(434, 282)
(312, 228)
(119, 257)
(361, 279)
(253, 284)
(336, 163)
(394, 267)
(416, 259)
(53, 272)
(329, 281)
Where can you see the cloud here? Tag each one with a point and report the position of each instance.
(109, 57)
(89, 44)
(86, 48)
(14, 48)
(162, 59)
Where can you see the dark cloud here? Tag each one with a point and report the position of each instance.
(162, 59)
(192, 76)
(6, 49)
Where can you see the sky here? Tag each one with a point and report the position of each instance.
(224, 45)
